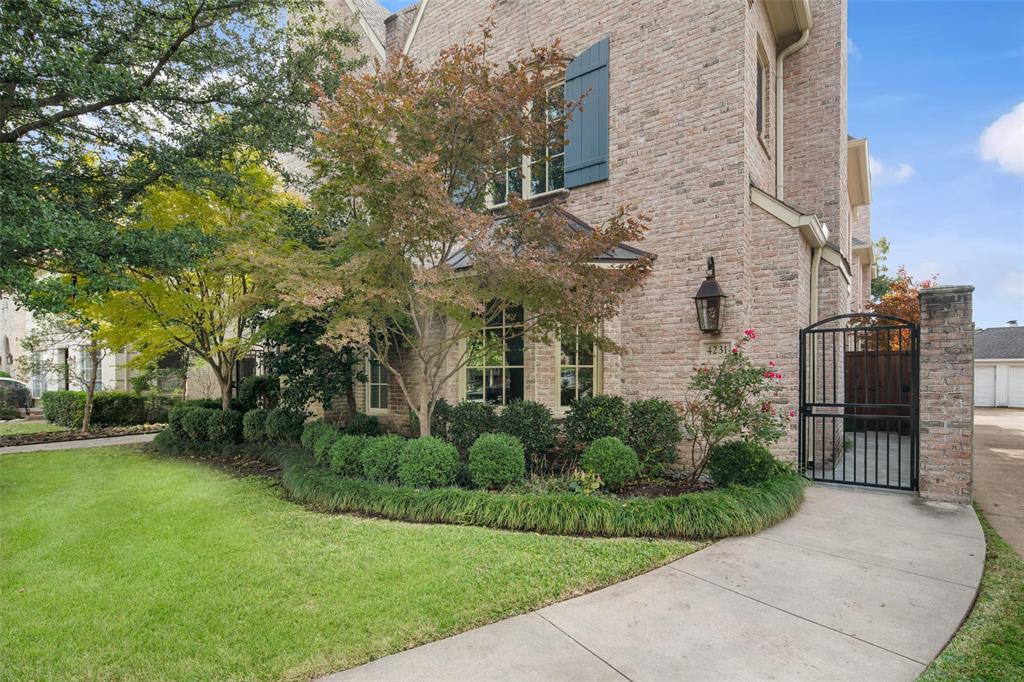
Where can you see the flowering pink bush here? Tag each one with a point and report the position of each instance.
(732, 400)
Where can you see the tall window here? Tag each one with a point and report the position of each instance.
(376, 385)
(544, 170)
(547, 165)
(761, 105)
(85, 369)
(576, 372)
(494, 373)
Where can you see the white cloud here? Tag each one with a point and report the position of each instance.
(889, 174)
(1003, 141)
(852, 51)
(1013, 284)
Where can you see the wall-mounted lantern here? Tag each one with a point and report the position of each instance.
(710, 302)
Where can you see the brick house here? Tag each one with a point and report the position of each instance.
(726, 122)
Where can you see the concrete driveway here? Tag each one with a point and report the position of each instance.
(857, 585)
(999, 470)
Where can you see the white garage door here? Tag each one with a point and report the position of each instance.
(1015, 394)
(985, 386)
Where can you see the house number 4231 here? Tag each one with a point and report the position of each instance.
(714, 350)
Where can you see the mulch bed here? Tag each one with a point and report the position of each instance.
(663, 488)
(63, 436)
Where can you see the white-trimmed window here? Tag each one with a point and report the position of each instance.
(577, 372)
(544, 170)
(376, 386)
(494, 372)
(85, 369)
(761, 93)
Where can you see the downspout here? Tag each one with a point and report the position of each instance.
(815, 266)
(790, 49)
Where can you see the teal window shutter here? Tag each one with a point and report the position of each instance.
(586, 136)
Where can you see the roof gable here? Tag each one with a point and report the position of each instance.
(999, 343)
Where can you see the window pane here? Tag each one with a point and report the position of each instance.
(474, 384)
(515, 182)
(514, 314)
(384, 395)
(586, 387)
(568, 354)
(494, 345)
(586, 355)
(374, 396)
(514, 385)
(499, 193)
(514, 349)
(495, 388)
(556, 173)
(537, 179)
(567, 390)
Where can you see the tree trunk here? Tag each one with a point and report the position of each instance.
(350, 399)
(90, 388)
(225, 390)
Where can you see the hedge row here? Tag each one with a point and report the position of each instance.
(109, 408)
(737, 510)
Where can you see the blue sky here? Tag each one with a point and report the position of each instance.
(926, 80)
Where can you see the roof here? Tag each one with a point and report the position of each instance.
(999, 343)
(620, 253)
(374, 15)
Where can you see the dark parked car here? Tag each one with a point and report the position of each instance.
(15, 395)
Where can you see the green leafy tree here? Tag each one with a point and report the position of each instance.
(881, 282)
(403, 166)
(99, 100)
(215, 308)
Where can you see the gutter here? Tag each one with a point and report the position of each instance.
(779, 166)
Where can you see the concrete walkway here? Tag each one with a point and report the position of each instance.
(84, 443)
(999, 470)
(857, 585)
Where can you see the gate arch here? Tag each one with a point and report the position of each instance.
(859, 401)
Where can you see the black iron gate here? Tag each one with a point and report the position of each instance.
(859, 401)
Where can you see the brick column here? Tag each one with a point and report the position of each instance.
(947, 394)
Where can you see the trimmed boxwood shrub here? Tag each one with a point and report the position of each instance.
(224, 426)
(534, 426)
(212, 403)
(284, 426)
(740, 463)
(468, 421)
(311, 431)
(654, 432)
(611, 459)
(322, 444)
(345, 455)
(175, 418)
(380, 458)
(116, 408)
(363, 425)
(195, 423)
(428, 462)
(254, 426)
(496, 460)
(597, 416)
(64, 407)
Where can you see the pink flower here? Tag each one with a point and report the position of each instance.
(771, 363)
(751, 334)
(735, 349)
(792, 413)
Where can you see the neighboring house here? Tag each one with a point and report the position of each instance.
(999, 366)
(17, 323)
(681, 118)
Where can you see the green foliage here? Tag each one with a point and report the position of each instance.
(111, 408)
(224, 426)
(345, 455)
(254, 426)
(654, 432)
(169, 443)
(468, 421)
(15, 396)
(380, 458)
(103, 99)
(496, 460)
(705, 515)
(611, 459)
(259, 392)
(584, 482)
(322, 442)
(598, 416)
(882, 280)
(740, 463)
(176, 419)
(533, 424)
(428, 462)
(156, 408)
(732, 400)
(316, 372)
(8, 412)
(284, 426)
(195, 423)
(311, 431)
(440, 419)
(360, 424)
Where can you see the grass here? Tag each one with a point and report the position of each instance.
(21, 428)
(706, 515)
(990, 644)
(121, 565)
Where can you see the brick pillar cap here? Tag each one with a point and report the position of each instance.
(948, 289)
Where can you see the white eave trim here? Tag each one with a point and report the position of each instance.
(831, 254)
(866, 252)
(859, 169)
(370, 33)
(415, 26)
(809, 225)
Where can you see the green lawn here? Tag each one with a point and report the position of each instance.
(990, 645)
(20, 428)
(121, 565)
